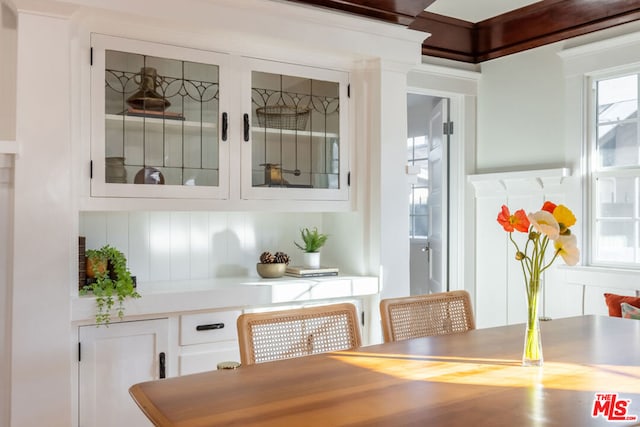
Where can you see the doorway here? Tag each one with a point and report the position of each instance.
(428, 131)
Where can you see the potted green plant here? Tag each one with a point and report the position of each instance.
(313, 240)
(111, 281)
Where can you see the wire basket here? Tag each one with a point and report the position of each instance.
(283, 117)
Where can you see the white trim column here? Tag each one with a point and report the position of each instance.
(6, 236)
(45, 227)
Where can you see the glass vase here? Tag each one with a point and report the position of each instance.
(532, 354)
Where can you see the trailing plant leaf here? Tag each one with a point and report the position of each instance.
(113, 281)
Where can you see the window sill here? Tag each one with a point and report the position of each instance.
(602, 277)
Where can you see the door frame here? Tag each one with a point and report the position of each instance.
(461, 88)
(444, 202)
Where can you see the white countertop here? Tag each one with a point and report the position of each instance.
(172, 296)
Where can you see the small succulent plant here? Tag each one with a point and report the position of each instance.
(313, 240)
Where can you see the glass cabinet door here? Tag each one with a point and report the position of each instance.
(297, 134)
(161, 120)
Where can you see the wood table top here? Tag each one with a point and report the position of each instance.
(469, 379)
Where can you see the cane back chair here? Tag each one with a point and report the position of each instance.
(285, 334)
(424, 315)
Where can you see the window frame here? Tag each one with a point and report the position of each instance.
(594, 171)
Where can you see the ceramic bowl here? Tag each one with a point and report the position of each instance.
(271, 271)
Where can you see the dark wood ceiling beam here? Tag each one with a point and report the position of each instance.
(540, 23)
(532, 26)
(547, 22)
(401, 12)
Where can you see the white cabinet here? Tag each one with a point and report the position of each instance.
(111, 360)
(157, 121)
(297, 147)
(207, 339)
(177, 123)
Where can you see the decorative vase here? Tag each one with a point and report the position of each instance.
(532, 355)
(95, 266)
(312, 259)
(272, 270)
(147, 98)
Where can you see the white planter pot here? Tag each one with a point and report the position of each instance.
(312, 259)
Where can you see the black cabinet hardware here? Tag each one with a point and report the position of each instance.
(209, 326)
(162, 361)
(225, 126)
(246, 126)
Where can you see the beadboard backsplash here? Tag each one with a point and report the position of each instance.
(197, 245)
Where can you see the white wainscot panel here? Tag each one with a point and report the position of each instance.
(491, 274)
(594, 282)
(561, 299)
(199, 241)
(500, 287)
(159, 245)
(180, 232)
(118, 231)
(139, 243)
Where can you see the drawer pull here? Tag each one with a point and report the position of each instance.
(209, 326)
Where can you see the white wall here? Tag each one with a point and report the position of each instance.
(521, 112)
(8, 48)
(531, 116)
(200, 245)
(54, 136)
(528, 117)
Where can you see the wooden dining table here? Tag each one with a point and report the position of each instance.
(475, 378)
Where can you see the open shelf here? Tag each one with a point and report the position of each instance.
(295, 132)
(158, 121)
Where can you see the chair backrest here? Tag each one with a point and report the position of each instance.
(284, 334)
(423, 315)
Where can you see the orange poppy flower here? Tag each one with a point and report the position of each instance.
(549, 206)
(518, 221)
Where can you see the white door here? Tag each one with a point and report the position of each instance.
(427, 157)
(112, 359)
(437, 202)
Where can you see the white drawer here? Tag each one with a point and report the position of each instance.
(208, 327)
(195, 362)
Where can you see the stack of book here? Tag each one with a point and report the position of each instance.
(298, 271)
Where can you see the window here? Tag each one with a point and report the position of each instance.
(418, 154)
(615, 172)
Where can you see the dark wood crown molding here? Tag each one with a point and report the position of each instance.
(450, 38)
(401, 12)
(532, 26)
(540, 23)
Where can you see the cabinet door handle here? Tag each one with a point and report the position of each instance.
(225, 126)
(162, 363)
(209, 326)
(246, 127)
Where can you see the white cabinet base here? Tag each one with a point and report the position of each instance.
(111, 360)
